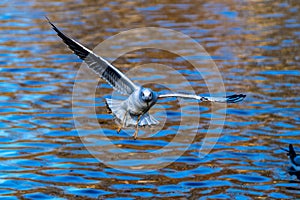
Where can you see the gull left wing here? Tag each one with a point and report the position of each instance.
(228, 99)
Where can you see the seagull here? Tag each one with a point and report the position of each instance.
(294, 158)
(133, 111)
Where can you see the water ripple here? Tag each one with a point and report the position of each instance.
(254, 44)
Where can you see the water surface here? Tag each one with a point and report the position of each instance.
(256, 48)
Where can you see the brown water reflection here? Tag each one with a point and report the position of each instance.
(255, 45)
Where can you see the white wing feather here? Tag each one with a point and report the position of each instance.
(228, 99)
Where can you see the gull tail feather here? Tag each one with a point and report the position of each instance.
(115, 106)
(125, 118)
(148, 119)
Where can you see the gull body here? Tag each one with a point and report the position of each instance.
(137, 104)
(133, 111)
(140, 101)
(294, 158)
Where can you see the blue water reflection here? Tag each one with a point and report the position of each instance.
(254, 44)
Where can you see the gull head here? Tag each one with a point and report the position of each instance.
(147, 95)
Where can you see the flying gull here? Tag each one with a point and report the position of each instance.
(294, 158)
(132, 111)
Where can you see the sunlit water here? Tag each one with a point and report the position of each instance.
(256, 48)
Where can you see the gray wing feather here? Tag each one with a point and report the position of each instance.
(103, 68)
(228, 99)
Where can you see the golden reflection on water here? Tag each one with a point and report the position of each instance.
(255, 45)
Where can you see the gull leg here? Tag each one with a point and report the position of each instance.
(123, 123)
(108, 108)
(136, 128)
(119, 129)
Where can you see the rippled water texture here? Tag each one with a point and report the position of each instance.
(255, 45)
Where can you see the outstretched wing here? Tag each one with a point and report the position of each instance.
(103, 68)
(228, 99)
(297, 161)
(292, 152)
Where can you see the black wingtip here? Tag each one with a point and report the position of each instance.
(292, 151)
(47, 19)
(235, 98)
(284, 149)
(54, 27)
(50, 22)
(81, 52)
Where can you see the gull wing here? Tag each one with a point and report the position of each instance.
(228, 99)
(103, 68)
(292, 152)
(297, 160)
